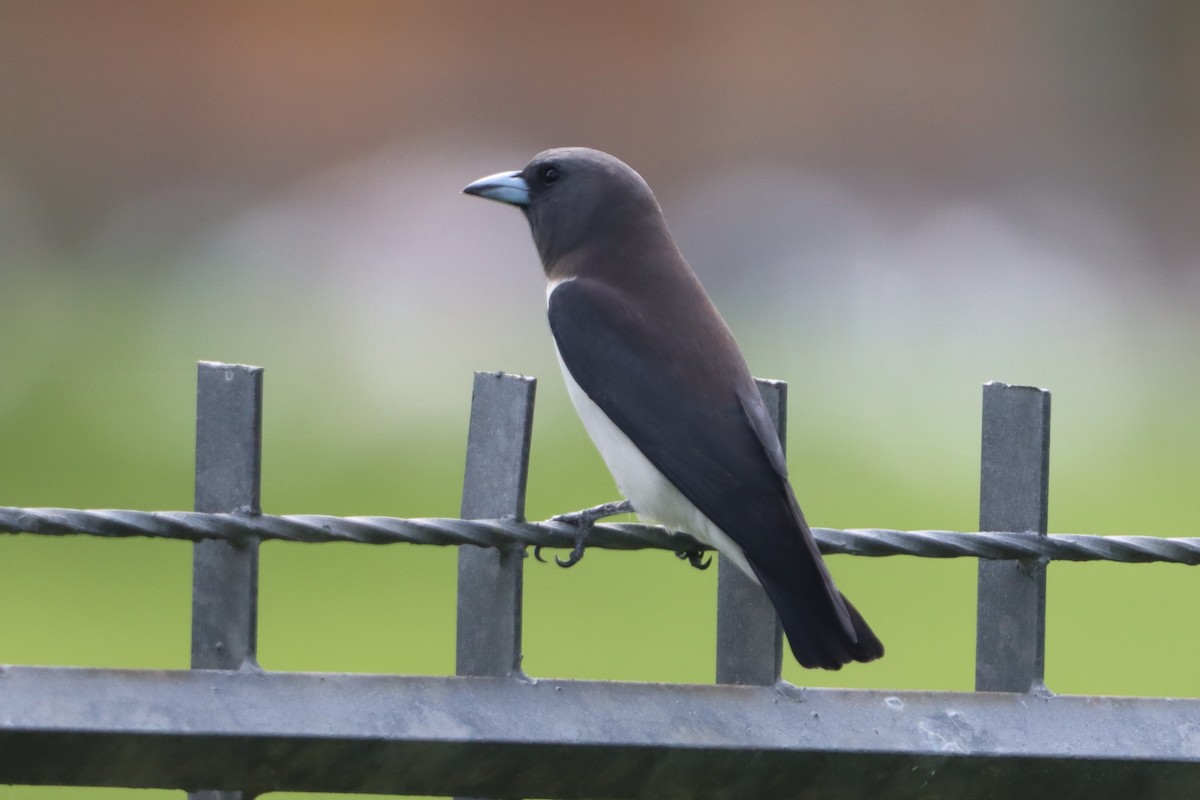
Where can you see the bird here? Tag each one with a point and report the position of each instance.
(665, 393)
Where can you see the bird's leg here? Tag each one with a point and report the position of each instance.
(590, 516)
(695, 557)
(583, 522)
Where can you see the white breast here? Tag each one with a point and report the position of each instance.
(654, 498)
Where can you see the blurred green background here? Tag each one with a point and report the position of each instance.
(892, 204)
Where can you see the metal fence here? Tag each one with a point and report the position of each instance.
(491, 731)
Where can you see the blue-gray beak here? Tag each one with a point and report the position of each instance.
(505, 187)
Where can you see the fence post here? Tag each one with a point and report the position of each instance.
(489, 579)
(749, 636)
(225, 574)
(1013, 492)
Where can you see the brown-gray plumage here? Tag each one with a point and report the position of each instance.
(664, 390)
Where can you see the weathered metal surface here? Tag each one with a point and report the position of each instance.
(565, 739)
(1014, 479)
(228, 458)
(228, 479)
(749, 635)
(490, 579)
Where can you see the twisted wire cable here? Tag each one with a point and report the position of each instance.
(509, 533)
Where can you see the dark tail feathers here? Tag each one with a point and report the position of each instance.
(814, 631)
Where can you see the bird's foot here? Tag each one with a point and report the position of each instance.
(583, 522)
(698, 558)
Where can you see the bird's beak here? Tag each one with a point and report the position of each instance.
(505, 187)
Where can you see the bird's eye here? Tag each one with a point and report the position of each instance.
(549, 173)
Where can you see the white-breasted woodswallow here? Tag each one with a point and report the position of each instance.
(665, 393)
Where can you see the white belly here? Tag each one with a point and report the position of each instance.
(654, 498)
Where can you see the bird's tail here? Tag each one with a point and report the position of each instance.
(815, 630)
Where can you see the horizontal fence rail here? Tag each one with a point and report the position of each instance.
(506, 533)
(499, 737)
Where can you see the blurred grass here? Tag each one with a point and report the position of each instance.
(96, 411)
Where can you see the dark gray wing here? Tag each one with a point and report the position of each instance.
(704, 426)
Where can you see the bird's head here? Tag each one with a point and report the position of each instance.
(576, 198)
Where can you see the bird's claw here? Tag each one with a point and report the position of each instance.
(697, 558)
(581, 533)
(583, 522)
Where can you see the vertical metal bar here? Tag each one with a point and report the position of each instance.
(225, 574)
(749, 636)
(489, 579)
(1013, 494)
